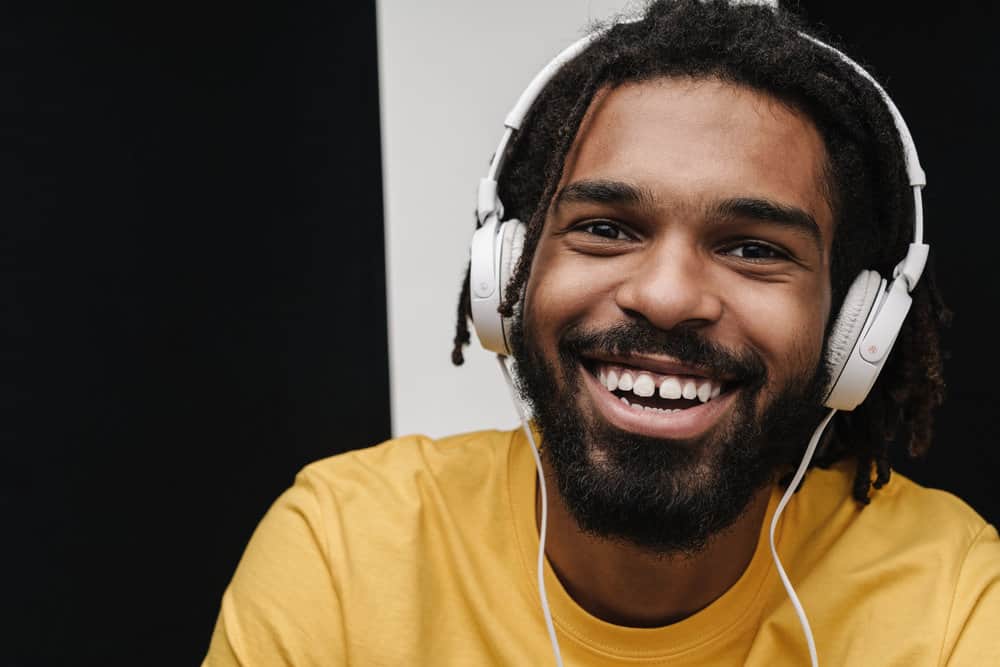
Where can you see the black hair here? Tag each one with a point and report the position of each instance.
(868, 190)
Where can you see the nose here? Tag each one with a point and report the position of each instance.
(671, 286)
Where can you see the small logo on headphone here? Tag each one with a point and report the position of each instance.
(873, 349)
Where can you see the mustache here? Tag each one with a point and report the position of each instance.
(686, 345)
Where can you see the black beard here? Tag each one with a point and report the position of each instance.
(663, 496)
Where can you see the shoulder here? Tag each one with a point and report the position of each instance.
(415, 451)
(363, 521)
(388, 487)
(902, 509)
(906, 527)
(933, 509)
(403, 465)
(919, 556)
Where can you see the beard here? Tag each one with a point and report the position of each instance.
(663, 496)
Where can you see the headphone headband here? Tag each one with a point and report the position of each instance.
(912, 266)
(869, 319)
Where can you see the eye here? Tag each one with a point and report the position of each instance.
(756, 251)
(604, 229)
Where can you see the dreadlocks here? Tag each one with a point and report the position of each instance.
(866, 181)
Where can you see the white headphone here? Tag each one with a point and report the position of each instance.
(866, 326)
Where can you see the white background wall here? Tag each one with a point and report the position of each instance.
(449, 72)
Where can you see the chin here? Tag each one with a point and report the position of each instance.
(667, 478)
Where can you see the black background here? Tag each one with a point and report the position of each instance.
(194, 274)
(938, 64)
(193, 289)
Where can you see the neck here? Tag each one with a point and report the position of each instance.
(624, 585)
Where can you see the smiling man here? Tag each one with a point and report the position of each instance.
(676, 307)
(702, 193)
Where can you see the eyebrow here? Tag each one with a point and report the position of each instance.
(600, 191)
(603, 192)
(764, 210)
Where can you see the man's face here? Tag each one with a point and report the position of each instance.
(674, 316)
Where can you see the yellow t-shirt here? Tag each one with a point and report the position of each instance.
(423, 552)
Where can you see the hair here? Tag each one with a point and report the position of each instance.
(867, 185)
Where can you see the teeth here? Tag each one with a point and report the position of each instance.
(611, 381)
(625, 381)
(670, 388)
(690, 390)
(705, 391)
(625, 401)
(644, 386)
(646, 408)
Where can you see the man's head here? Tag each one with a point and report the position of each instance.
(688, 244)
(700, 188)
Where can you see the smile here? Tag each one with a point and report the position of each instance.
(657, 399)
(676, 392)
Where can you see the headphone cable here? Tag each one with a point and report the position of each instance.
(796, 480)
(545, 512)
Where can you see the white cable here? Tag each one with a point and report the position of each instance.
(545, 513)
(796, 480)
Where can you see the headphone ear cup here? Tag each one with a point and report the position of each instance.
(850, 323)
(512, 235)
(493, 256)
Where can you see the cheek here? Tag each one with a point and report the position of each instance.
(786, 327)
(562, 290)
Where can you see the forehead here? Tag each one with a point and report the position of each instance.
(691, 142)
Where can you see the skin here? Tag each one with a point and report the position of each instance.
(675, 259)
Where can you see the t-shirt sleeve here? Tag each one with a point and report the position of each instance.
(973, 635)
(282, 606)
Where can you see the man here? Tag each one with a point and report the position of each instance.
(700, 189)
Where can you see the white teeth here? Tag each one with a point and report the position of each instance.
(625, 381)
(705, 391)
(690, 390)
(644, 386)
(625, 401)
(636, 406)
(670, 388)
(611, 381)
